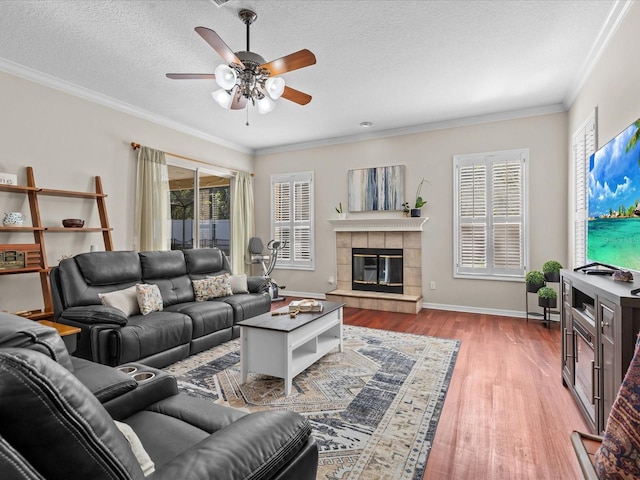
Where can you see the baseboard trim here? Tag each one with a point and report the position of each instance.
(437, 306)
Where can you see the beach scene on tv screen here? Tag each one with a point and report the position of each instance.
(613, 235)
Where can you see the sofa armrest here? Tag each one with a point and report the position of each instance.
(257, 284)
(257, 446)
(106, 383)
(146, 393)
(95, 314)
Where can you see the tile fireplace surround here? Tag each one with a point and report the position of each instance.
(405, 233)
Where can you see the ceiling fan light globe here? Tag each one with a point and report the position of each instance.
(265, 105)
(225, 76)
(223, 98)
(274, 87)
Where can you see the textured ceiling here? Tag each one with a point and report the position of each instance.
(398, 64)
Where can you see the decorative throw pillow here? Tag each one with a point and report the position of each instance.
(239, 283)
(212, 287)
(619, 455)
(146, 464)
(124, 300)
(149, 298)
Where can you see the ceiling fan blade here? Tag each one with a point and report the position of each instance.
(293, 61)
(296, 96)
(188, 76)
(213, 39)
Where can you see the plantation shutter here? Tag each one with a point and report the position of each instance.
(584, 145)
(473, 216)
(490, 214)
(292, 219)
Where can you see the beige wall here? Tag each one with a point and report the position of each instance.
(69, 140)
(429, 154)
(613, 86)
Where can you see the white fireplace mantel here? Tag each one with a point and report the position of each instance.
(402, 224)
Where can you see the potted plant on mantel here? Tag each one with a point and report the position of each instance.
(551, 270)
(416, 211)
(547, 297)
(535, 280)
(341, 214)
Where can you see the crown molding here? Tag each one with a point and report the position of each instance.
(95, 97)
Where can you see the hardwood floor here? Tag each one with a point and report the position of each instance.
(506, 414)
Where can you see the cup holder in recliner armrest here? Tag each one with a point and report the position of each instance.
(143, 376)
(128, 369)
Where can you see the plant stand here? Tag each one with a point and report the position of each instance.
(526, 303)
(544, 316)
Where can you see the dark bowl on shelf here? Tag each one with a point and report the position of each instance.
(73, 223)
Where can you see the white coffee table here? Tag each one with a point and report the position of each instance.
(283, 347)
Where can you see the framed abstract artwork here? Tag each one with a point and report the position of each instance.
(379, 188)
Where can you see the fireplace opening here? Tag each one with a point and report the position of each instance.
(377, 269)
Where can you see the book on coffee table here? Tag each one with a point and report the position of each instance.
(305, 306)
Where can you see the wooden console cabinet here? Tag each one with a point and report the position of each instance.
(600, 320)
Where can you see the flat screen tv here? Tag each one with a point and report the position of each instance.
(613, 185)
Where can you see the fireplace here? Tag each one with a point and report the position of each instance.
(377, 269)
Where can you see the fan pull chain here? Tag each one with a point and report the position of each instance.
(247, 124)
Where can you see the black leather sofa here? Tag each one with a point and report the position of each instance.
(57, 417)
(183, 327)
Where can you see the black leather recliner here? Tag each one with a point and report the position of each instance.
(57, 417)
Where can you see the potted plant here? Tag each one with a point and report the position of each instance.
(416, 211)
(551, 270)
(547, 297)
(535, 280)
(341, 214)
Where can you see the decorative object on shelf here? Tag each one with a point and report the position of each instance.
(622, 276)
(246, 77)
(380, 188)
(8, 179)
(547, 297)
(341, 214)
(406, 208)
(11, 259)
(420, 202)
(73, 223)
(551, 270)
(13, 219)
(19, 256)
(535, 281)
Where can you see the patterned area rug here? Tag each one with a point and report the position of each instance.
(374, 408)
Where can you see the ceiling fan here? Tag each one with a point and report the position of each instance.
(247, 77)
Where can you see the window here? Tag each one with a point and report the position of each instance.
(489, 216)
(584, 145)
(292, 219)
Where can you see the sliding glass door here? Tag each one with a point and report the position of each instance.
(200, 209)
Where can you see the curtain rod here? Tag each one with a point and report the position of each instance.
(136, 146)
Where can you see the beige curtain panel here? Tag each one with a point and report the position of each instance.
(152, 215)
(243, 222)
